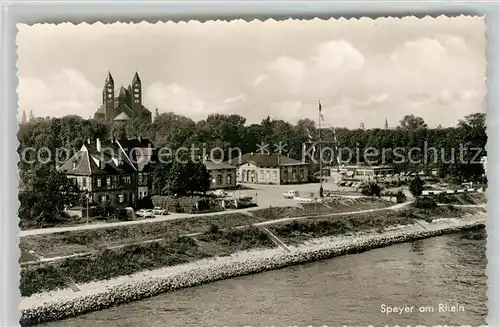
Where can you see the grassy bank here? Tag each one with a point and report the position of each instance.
(67, 243)
(462, 199)
(176, 250)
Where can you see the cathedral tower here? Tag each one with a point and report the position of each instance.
(108, 97)
(23, 117)
(136, 92)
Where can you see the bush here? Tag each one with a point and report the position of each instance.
(212, 229)
(416, 186)
(425, 203)
(371, 189)
(400, 196)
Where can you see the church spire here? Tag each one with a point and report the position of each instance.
(32, 117)
(23, 117)
(386, 125)
(136, 78)
(109, 78)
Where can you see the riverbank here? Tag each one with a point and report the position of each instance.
(92, 296)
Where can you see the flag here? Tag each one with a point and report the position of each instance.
(336, 144)
(320, 113)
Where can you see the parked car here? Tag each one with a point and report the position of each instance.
(290, 194)
(159, 211)
(220, 193)
(145, 213)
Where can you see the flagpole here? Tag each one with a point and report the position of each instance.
(320, 154)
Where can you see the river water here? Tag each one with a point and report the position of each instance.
(349, 290)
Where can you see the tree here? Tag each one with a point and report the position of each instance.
(410, 122)
(47, 193)
(416, 186)
(180, 178)
(371, 189)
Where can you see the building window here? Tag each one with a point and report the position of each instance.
(268, 175)
(285, 175)
(229, 179)
(301, 173)
(261, 174)
(103, 199)
(84, 182)
(136, 95)
(275, 175)
(294, 173)
(140, 195)
(98, 181)
(139, 178)
(121, 198)
(219, 179)
(108, 181)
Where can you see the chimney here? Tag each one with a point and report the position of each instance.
(98, 144)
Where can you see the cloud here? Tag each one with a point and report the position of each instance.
(240, 97)
(259, 79)
(63, 93)
(322, 70)
(288, 66)
(191, 103)
(338, 55)
(176, 98)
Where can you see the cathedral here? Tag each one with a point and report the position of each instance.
(124, 104)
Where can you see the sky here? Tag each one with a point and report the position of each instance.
(362, 70)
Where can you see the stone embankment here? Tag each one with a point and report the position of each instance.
(94, 296)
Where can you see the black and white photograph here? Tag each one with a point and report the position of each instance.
(297, 172)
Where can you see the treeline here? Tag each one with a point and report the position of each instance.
(409, 145)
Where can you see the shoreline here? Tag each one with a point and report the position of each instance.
(94, 296)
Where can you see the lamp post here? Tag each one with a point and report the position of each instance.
(87, 195)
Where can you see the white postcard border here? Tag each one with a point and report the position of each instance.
(30, 12)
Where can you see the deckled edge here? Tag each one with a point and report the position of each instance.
(268, 20)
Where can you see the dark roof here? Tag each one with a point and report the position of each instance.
(123, 93)
(86, 162)
(211, 165)
(266, 160)
(134, 143)
(122, 116)
(139, 151)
